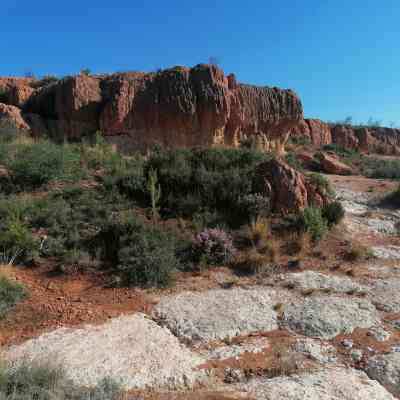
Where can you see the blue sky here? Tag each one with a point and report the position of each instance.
(341, 57)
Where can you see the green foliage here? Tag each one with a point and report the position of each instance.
(322, 184)
(312, 222)
(299, 140)
(33, 165)
(381, 168)
(198, 180)
(333, 213)
(154, 189)
(11, 293)
(294, 162)
(86, 71)
(45, 381)
(45, 81)
(393, 198)
(141, 255)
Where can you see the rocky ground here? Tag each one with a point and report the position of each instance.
(328, 330)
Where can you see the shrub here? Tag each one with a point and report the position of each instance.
(45, 381)
(356, 252)
(34, 165)
(381, 169)
(31, 381)
(254, 205)
(140, 255)
(393, 198)
(333, 213)
(204, 179)
(45, 81)
(214, 246)
(11, 293)
(256, 231)
(322, 184)
(294, 162)
(252, 263)
(312, 222)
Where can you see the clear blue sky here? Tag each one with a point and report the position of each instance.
(341, 57)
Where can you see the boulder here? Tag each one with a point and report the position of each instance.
(288, 189)
(219, 314)
(330, 164)
(11, 121)
(385, 368)
(327, 384)
(326, 317)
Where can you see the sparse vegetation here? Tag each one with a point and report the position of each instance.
(312, 221)
(333, 213)
(11, 293)
(357, 252)
(322, 184)
(215, 246)
(45, 381)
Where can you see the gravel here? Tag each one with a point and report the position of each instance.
(385, 368)
(219, 314)
(328, 316)
(133, 350)
(327, 384)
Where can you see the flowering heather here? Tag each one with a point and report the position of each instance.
(215, 245)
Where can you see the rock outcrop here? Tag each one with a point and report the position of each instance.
(11, 121)
(330, 164)
(365, 139)
(288, 189)
(316, 131)
(177, 107)
(15, 91)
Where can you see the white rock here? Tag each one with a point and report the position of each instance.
(328, 316)
(132, 350)
(310, 280)
(326, 384)
(385, 368)
(219, 313)
(323, 353)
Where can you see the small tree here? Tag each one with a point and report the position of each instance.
(86, 71)
(154, 190)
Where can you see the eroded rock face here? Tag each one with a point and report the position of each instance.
(344, 136)
(69, 108)
(11, 121)
(318, 132)
(177, 107)
(288, 189)
(15, 91)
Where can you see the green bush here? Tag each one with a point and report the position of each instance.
(333, 213)
(11, 293)
(34, 165)
(322, 184)
(294, 162)
(312, 222)
(140, 255)
(381, 169)
(45, 381)
(204, 179)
